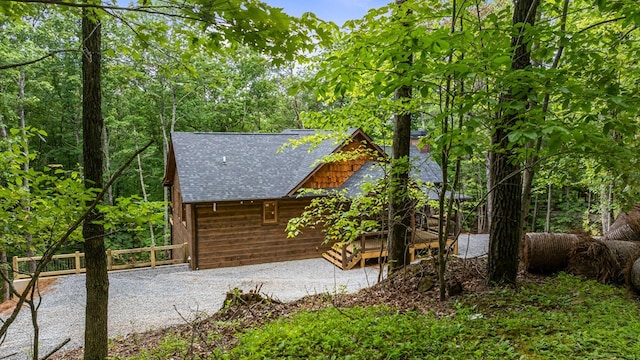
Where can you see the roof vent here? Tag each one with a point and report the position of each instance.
(224, 160)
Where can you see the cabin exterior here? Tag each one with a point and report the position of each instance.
(232, 194)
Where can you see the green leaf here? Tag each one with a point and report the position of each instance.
(501, 60)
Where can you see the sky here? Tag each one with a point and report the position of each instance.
(337, 11)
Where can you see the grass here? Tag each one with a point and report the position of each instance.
(565, 318)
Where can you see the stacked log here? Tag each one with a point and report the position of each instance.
(614, 258)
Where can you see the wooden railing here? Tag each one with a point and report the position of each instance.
(65, 264)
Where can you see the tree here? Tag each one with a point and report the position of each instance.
(96, 344)
(505, 228)
(400, 204)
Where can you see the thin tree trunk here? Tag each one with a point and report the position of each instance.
(165, 155)
(28, 237)
(535, 214)
(77, 134)
(504, 239)
(4, 264)
(605, 206)
(547, 222)
(107, 161)
(142, 186)
(97, 280)
(588, 214)
(399, 200)
(490, 182)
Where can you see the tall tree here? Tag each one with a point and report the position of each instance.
(97, 280)
(504, 237)
(400, 204)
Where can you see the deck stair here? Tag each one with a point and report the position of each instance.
(372, 246)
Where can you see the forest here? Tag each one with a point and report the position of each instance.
(530, 106)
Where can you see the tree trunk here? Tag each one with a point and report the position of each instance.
(4, 271)
(97, 280)
(547, 222)
(399, 200)
(490, 181)
(605, 206)
(165, 154)
(527, 182)
(504, 239)
(142, 186)
(107, 161)
(535, 214)
(28, 237)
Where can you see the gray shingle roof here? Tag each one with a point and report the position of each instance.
(242, 166)
(247, 166)
(424, 168)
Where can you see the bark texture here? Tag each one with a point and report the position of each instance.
(97, 280)
(399, 200)
(506, 216)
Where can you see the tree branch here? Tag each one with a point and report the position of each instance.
(601, 23)
(56, 52)
(48, 254)
(157, 10)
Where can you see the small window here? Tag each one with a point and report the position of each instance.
(270, 212)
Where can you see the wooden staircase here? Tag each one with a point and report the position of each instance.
(345, 260)
(372, 246)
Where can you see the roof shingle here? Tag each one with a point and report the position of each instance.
(247, 166)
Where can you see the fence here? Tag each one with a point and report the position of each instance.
(65, 264)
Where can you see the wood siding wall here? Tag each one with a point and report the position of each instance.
(334, 174)
(181, 222)
(235, 234)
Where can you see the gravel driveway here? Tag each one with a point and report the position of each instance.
(145, 299)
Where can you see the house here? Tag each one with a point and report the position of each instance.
(232, 194)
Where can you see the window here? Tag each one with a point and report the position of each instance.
(270, 212)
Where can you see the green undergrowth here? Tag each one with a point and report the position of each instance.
(564, 318)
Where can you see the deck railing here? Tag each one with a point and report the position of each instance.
(65, 264)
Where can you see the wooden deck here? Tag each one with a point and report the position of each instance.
(373, 246)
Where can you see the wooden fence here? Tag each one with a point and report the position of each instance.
(65, 264)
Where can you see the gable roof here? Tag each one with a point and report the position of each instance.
(250, 166)
(424, 168)
(243, 166)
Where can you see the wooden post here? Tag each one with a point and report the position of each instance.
(16, 273)
(153, 256)
(78, 266)
(344, 257)
(363, 245)
(109, 260)
(184, 253)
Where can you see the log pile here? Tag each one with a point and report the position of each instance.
(613, 258)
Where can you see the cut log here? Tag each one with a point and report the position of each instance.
(626, 227)
(624, 253)
(632, 274)
(591, 259)
(604, 261)
(547, 253)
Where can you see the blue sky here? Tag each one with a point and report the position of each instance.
(337, 11)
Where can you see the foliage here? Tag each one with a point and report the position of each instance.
(45, 208)
(129, 220)
(345, 214)
(341, 217)
(563, 318)
(170, 347)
